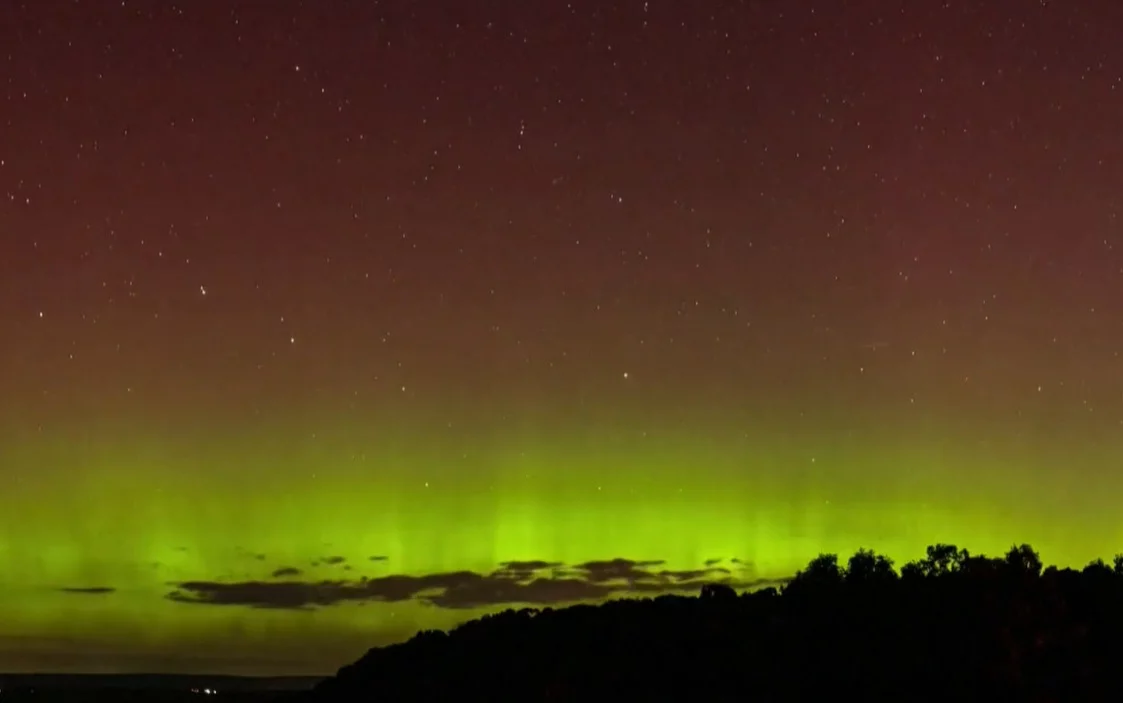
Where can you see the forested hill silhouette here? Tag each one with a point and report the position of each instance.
(950, 624)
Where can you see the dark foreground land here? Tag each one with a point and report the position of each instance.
(950, 626)
(148, 688)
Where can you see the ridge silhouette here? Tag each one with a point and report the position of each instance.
(949, 624)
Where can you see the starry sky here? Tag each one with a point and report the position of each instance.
(326, 322)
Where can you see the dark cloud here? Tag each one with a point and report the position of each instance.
(333, 561)
(695, 574)
(286, 571)
(615, 569)
(88, 590)
(379, 557)
(492, 591)
(522, 570)
(307, 594)
(535, 583)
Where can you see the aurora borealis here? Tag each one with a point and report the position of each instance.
(321, 323)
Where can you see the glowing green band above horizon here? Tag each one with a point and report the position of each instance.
(138, 519)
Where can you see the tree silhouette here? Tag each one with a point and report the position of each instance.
(912, 571)
(866, 567)
(955, 626)
(718, 592)
(1023, 560)
(822, 572)
(943, 559)
(1097, 568)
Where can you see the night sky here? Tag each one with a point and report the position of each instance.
(324, 322)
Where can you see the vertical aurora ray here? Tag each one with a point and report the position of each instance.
(139, 522)
(310, 319)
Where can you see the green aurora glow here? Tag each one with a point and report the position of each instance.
(553, 282)
(240, 518)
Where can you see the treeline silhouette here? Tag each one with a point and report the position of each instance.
(949, 625)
